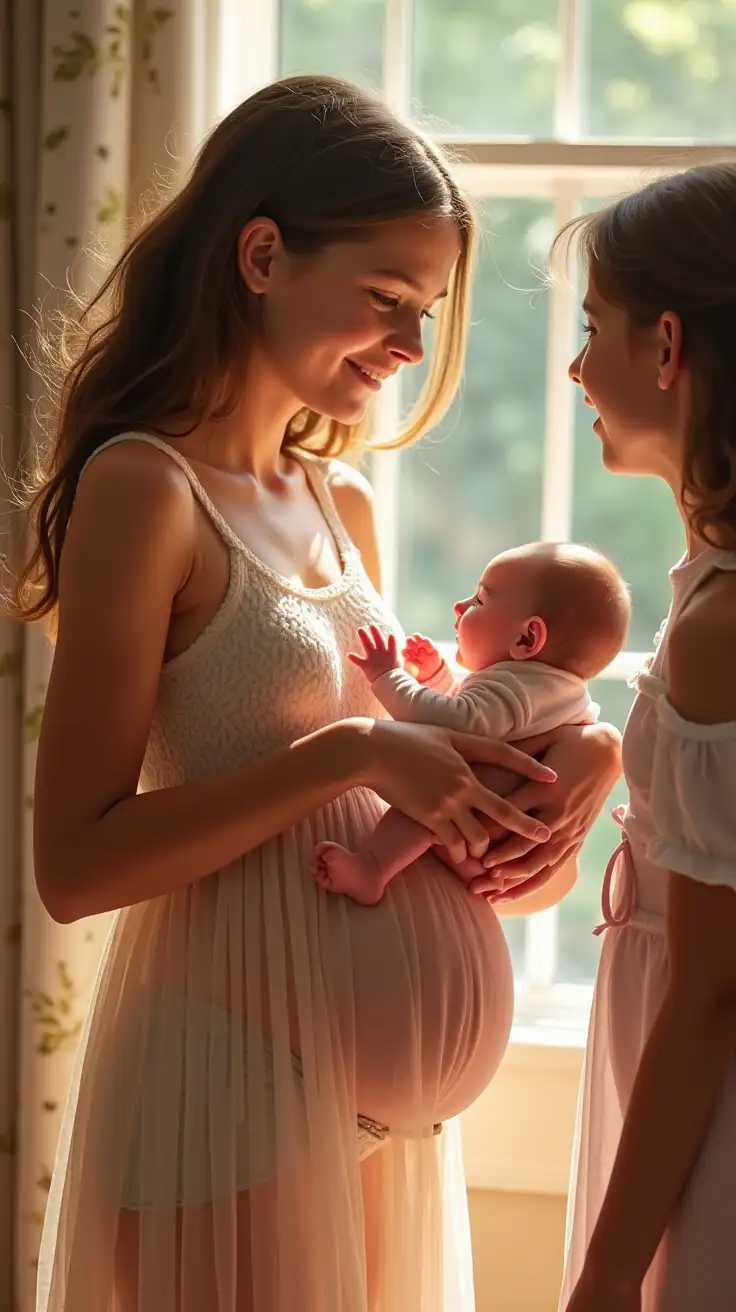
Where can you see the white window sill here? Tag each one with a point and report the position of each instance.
(517, 1137)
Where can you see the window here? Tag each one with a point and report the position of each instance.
(552, 106)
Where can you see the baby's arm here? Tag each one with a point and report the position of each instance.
(483, 705)
(489, 703)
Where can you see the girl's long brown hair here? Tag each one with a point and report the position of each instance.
(672, 246)
(160, 347)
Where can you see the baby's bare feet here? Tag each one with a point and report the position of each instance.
(354, 874)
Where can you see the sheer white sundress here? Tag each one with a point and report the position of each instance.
(681, 816)
(251, 1036)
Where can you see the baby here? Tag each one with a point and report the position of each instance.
(545, 619)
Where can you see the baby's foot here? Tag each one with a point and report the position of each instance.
(352, 873)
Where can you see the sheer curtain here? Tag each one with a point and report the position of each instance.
(99, 101)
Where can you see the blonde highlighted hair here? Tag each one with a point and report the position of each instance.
(153, 351)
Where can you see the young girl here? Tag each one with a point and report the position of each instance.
(651, 1219)
(252, 1125)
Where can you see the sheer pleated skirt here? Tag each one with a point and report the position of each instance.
(695, 1265)
(247, 1038)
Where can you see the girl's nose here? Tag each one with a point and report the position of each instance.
(573, 369)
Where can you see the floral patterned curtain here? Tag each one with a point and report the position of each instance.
(98, 102)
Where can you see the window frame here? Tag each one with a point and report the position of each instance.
(565, 170)
(518, 1136)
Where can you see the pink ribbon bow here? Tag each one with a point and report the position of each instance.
(621, 855)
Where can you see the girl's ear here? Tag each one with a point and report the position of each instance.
(259, 248)
(669, 358)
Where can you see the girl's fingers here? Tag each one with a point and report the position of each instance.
(510, 850)
(513, 892)
(524, 868)
(507, 815)
(449, 837)
(474, 832)
(486, 884)
(488, 752)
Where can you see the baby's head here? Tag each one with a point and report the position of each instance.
(559, 603)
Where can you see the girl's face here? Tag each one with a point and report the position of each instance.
(634, 378)
(335, 325)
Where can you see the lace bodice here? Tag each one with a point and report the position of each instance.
(272, 664)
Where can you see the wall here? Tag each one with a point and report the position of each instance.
(517, 1250)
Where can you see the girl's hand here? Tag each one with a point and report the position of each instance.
(380, 654)
(421, 657)
(587, 762)
(424, 772)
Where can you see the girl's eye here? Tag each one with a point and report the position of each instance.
(392, 303)
(477, 600)
(389, 302)
(588, 329)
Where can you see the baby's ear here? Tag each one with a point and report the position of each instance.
(530, 640)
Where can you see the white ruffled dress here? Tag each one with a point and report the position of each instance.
(681, 816)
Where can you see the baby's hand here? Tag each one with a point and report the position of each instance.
(380, 653)
(422, 657)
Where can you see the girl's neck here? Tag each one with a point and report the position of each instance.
(694, 545)
(249, 440)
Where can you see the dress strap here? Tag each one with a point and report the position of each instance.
(315, 472)
(689, 578)
(149, 439)
(692, 576)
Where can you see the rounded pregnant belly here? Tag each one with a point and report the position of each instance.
(433, 997)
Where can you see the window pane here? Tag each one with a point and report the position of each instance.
(474, 488)
(661, 70)
(634, 521)
(340, 37)
(487, 68)
(581, 910)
